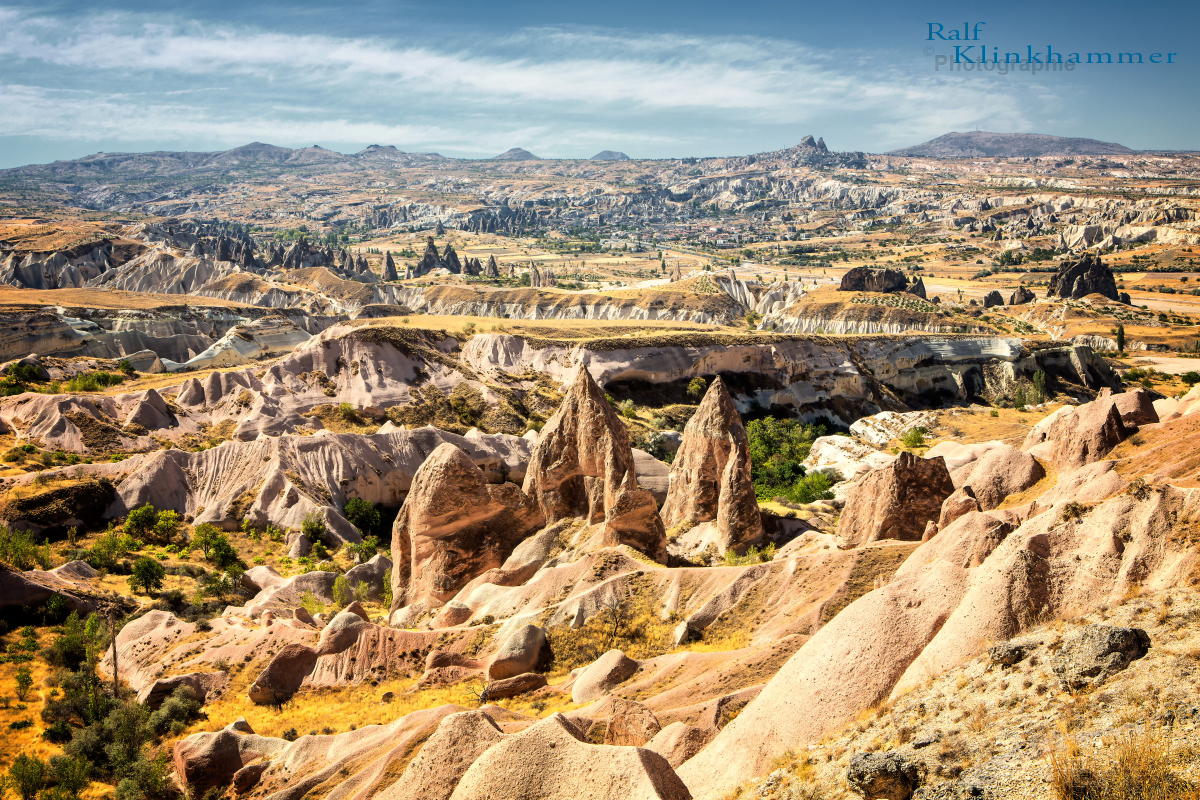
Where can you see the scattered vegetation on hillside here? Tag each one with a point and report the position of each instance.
(778, 448)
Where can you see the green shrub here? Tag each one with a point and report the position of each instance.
(696, 388)
(342, 594)
(914, 437)
(27, 775)
(362, 515)
(24, 679)
(109, 548)
(166, 526)
(365, 550)
(1190, 378)
(313, 527)
(21, 550)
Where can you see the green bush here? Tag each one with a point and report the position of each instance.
(342, 593)
(93, 381)
(362, 515)
(313, 527)
(914, 437)
(21, 550)
(696, 388)
(1190, 378)
(27, 775)
(109, 548)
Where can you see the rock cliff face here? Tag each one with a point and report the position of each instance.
(1086, 276)
(710, 477)
(453, 526)
(865, 279)
(583, 467)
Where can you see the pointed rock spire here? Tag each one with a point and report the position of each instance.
(710, 477)
(389, 267)
(582, 466)
(491, 270)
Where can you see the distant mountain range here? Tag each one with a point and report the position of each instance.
(974, 144)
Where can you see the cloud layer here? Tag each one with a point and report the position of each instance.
(556, 91)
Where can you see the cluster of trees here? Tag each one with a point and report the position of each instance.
(778, 448)
(106, 735)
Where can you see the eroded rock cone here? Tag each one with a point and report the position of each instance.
(710, 477)
(491, 270)
(389, 267)
(1086, 276)
(453, 526)
(896, 501)
(917, 288)
(582, 466)
(1020, 297)
(993, 299)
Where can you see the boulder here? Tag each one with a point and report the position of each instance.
(992, 299)
(602, 676)
(678, 742)
(710, 477)
(632, 724)
(865, 279)
(1077, 279)
(518, 654)
(549, 762)
(1136, 406)
(1001, 471)
(516, 685)
(1007, 654)
(884, 776)
(371, 573)
(961, 502)
(896, 501)
(204, 686)
(582, 466)
(1021, 296)
(453, 526)
(280, 679)
(248, 776)
(1074, 436)
(207, 760)
(1096, 652)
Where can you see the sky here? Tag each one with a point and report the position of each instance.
(651, 78)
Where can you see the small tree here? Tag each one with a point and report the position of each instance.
(166, 526)
(205, 536)
(24, 682)
(27, 774)
(696, 388)
(141, 521)
(147, 575)
(1039, 387)
(387, 587)
(1120, 338)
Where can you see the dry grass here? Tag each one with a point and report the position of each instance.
(1135, 766)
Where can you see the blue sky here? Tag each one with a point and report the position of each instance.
(654, 79)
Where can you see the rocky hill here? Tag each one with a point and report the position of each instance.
(979, 144)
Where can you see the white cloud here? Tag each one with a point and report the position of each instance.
(557, 87)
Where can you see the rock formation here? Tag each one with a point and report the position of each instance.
(1086, 276)
(865, 279)
(1021, 296)
(389, 267)
(917, 288)
(993, 299)
(896, 501)
(582, 466)
(710, 476)
(490, 270)
(453, 526)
